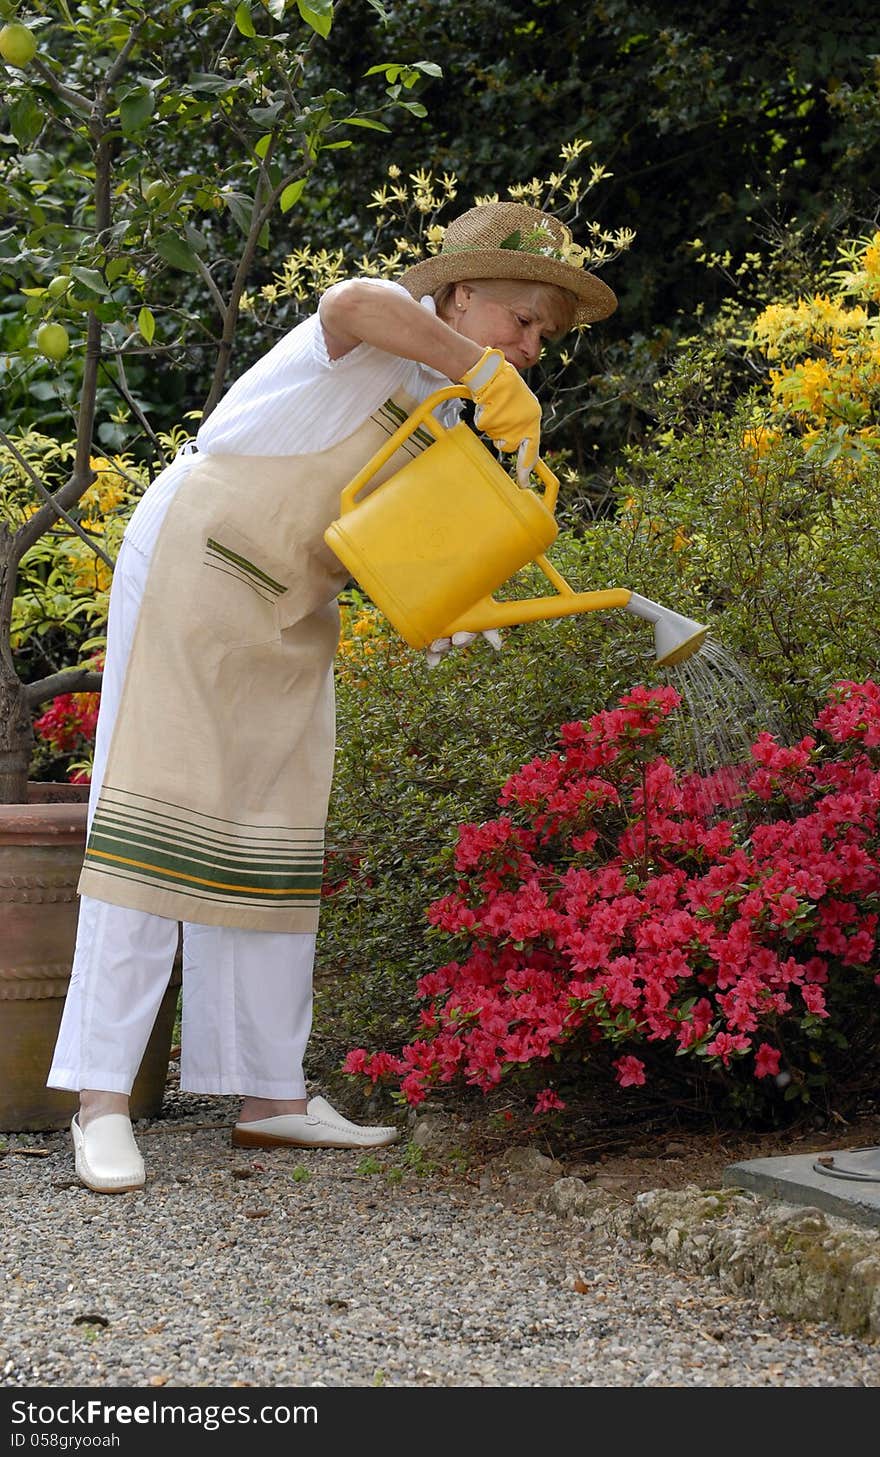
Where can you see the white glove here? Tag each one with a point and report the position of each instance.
(442, 645)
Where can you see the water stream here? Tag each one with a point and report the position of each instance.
(722, 712)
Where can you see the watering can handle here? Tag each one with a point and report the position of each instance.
(423, 415)
(490, 613)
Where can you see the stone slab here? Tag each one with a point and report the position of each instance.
(802, 1179)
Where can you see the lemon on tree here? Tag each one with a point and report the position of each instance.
(53, 341)
(58, 286)
(157, 192)
(18, 45)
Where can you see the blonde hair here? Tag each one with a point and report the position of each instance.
(562, 305)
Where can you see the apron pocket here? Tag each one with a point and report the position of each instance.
(233, 564)
(242, 588)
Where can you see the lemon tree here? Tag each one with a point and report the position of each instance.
(150, 156)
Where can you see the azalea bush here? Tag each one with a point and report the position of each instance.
(65, 732)
(724, 925)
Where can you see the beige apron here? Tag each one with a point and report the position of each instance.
(214, 800)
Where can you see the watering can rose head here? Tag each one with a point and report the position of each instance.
(498, 240)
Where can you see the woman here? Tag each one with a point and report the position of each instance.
(215, 741)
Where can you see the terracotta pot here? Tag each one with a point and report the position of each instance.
(41, 851)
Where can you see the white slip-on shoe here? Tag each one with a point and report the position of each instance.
(319, 1127)
(107, 1158)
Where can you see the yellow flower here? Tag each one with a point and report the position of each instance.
(760, 439)
(571, 150)
(815, 379)
(434, 236)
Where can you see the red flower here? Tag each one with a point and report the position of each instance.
(767, 1061)
(630, 1072)
(692, 928)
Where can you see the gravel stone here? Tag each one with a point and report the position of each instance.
(496, 1274)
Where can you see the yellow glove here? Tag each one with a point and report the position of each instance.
(507, 411)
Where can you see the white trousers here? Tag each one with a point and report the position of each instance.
(247, 995)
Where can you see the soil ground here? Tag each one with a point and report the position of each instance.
(658, 1153)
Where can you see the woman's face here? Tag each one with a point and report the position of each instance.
(513, 317)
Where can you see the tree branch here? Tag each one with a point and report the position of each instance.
(70, 680)
(35, 526)
(121, 387)
(121, 61)
(230, 315)
(214, 291)
(74, 99)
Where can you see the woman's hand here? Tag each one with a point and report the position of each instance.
(507, 411)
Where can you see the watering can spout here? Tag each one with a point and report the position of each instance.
(676, 638)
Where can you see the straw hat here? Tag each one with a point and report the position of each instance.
(511, 240)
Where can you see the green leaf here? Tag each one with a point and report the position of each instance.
(26, 119)
(146, 325)
(210, 85)
(318, 14)
(176, 252)
(135, 110)
(291, 194)
(390, 69)
(263, 145)
(380, 10)
(92, 279)
(243, 19)
(197, 241)
(43, 389)
(374, 126)
(116, 267)
(267, 115)
(241, 207)
(276, 8)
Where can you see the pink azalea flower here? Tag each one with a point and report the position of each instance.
(630, 1072)
(767, 1061)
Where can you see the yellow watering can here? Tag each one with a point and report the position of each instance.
(432, 542)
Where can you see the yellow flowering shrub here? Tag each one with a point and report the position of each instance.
(364, 634)
(61, 603)
(827, 379)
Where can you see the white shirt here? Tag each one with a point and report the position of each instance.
(296, 400)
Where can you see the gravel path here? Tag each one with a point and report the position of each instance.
(280, 1269)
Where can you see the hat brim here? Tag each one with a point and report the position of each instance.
(595, 299)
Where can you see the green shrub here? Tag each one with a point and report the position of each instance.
(768, 543)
